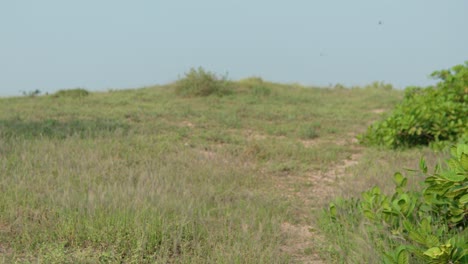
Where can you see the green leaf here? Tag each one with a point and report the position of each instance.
(464, 199)
(460, 254)
(460, 149)
(457, 218)
(408, 225)
(434, 252)
(398, 178)
(452, 176)
(416, 237)
(463, 148)
(389, 259)
(375, 190)
(332, 210)
(403, 257)
(432, 241)
(453, 164)
(369, 214)
(454, 151)
(390, 212)
(436, 189)
(426, 225)
(464, 161)
(422, 165)
(456, 191)
(456, 211)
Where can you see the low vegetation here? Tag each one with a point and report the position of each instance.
(148, 175)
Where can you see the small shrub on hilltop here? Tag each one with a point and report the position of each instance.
(427, 115)
(198, 82)
(415, 227)
(72, 93)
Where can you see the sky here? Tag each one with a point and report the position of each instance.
(117, 44)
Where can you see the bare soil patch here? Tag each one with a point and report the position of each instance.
(379, 111)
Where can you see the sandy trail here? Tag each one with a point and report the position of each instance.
(301, 237)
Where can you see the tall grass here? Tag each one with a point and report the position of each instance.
(135, 199)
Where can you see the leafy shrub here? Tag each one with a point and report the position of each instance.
(418, 227)
(198, 82)
(72, 93)
(427, 115)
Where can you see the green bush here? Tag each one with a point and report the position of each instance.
(427, 115)
(198, 82)
(416, 227)
(72, 93)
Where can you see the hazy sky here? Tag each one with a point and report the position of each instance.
(103, 44)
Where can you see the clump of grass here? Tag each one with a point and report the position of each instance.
(199, 82)
(72, 93)
(309, 131)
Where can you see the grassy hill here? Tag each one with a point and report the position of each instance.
(147, 175)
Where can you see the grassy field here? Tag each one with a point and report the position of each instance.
(147, 176)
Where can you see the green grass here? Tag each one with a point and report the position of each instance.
(144, 176)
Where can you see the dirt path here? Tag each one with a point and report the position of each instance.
(314, 188)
